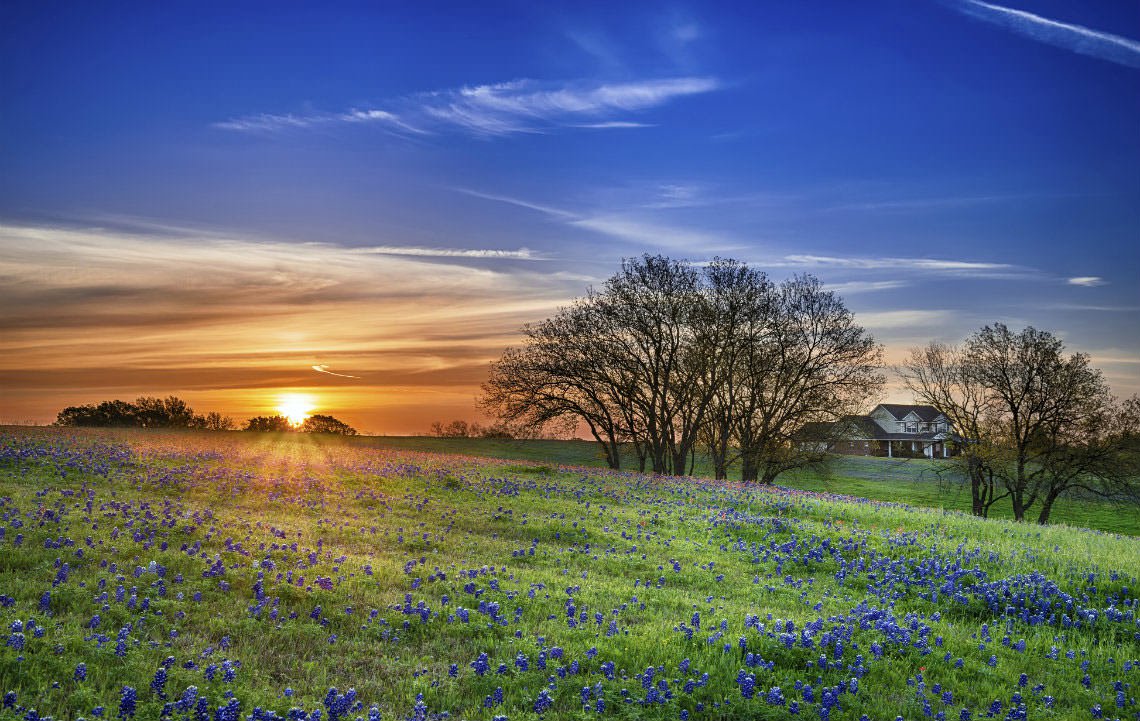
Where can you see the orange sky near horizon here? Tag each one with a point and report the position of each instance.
(232, 323)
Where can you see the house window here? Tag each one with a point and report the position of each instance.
(912, 428)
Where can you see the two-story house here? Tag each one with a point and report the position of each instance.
(895, 430)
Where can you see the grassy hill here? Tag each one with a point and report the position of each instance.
(257, 576)
(918, 481)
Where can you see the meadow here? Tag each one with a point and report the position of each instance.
(259, 576)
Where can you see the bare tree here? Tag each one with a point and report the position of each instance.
(1037, 397)
(744, 303)
(811, 364)
(655, 331)
(1095, 456)
(942, 376)
(561, 374)
(1035, 425)
(665, 356)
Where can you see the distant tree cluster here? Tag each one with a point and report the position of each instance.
(145, 412)
(318, 423)
(668, 358)
(315, 423)
(268, 424)
(173, 412)
(464, 429)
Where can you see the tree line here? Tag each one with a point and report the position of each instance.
(502, 431)
(667, 358)
(174, 412)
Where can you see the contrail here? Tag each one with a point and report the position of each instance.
(1076, 38)
(323, 368)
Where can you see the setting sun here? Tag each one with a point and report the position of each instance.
(295, 407)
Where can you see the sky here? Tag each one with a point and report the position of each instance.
(363, 203)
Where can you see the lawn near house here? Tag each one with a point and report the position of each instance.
(277, 576)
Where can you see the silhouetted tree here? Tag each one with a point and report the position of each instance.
(665, 356)
(145, 412)
(273, 424)
(562, 375)
(169, 412)
(318, 423)
(214, 421)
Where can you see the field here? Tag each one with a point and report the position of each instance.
(249, 576)
(917, 481)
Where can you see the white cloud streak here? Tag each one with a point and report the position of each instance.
(265, 122)
(647, 233)
(519, 254)
(934, 265)
(519, 106)
(544, 209)
(323, 368)
(1076, 38)
(933, 320)
(866, 286)
(1087, 281)
(611, 124)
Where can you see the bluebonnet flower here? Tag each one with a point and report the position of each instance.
(128, 698)
(543, 703)
(481, 664)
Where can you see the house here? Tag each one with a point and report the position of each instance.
(893, 430)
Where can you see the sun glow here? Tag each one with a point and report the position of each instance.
(295, 407)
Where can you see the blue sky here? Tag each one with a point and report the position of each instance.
(264, 188)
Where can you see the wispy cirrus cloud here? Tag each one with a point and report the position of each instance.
(324, 368)
(625, 226)
(855, 287)
(1087, 281)
(265, 122)
(609, 124)
(493, 253)
(518, 106)
(223, 316)
(891, 320)
(933, 265)
(1069, 36)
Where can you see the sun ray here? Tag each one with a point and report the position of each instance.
(296, 407)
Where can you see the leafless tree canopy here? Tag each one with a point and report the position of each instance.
(666, 358)
(1035, 424)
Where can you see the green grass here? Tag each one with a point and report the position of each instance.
(918, 481)
(531, 532)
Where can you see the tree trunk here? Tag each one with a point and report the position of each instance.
(680, 461)
(720, 468)
(1018, 505)
(977, 487)
(770, 474)
(640, 451)
(749, 470)
(612, 459)
(1047, 507)
(1017, 494)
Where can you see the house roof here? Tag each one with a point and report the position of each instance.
(900, 411)
(862, 428)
